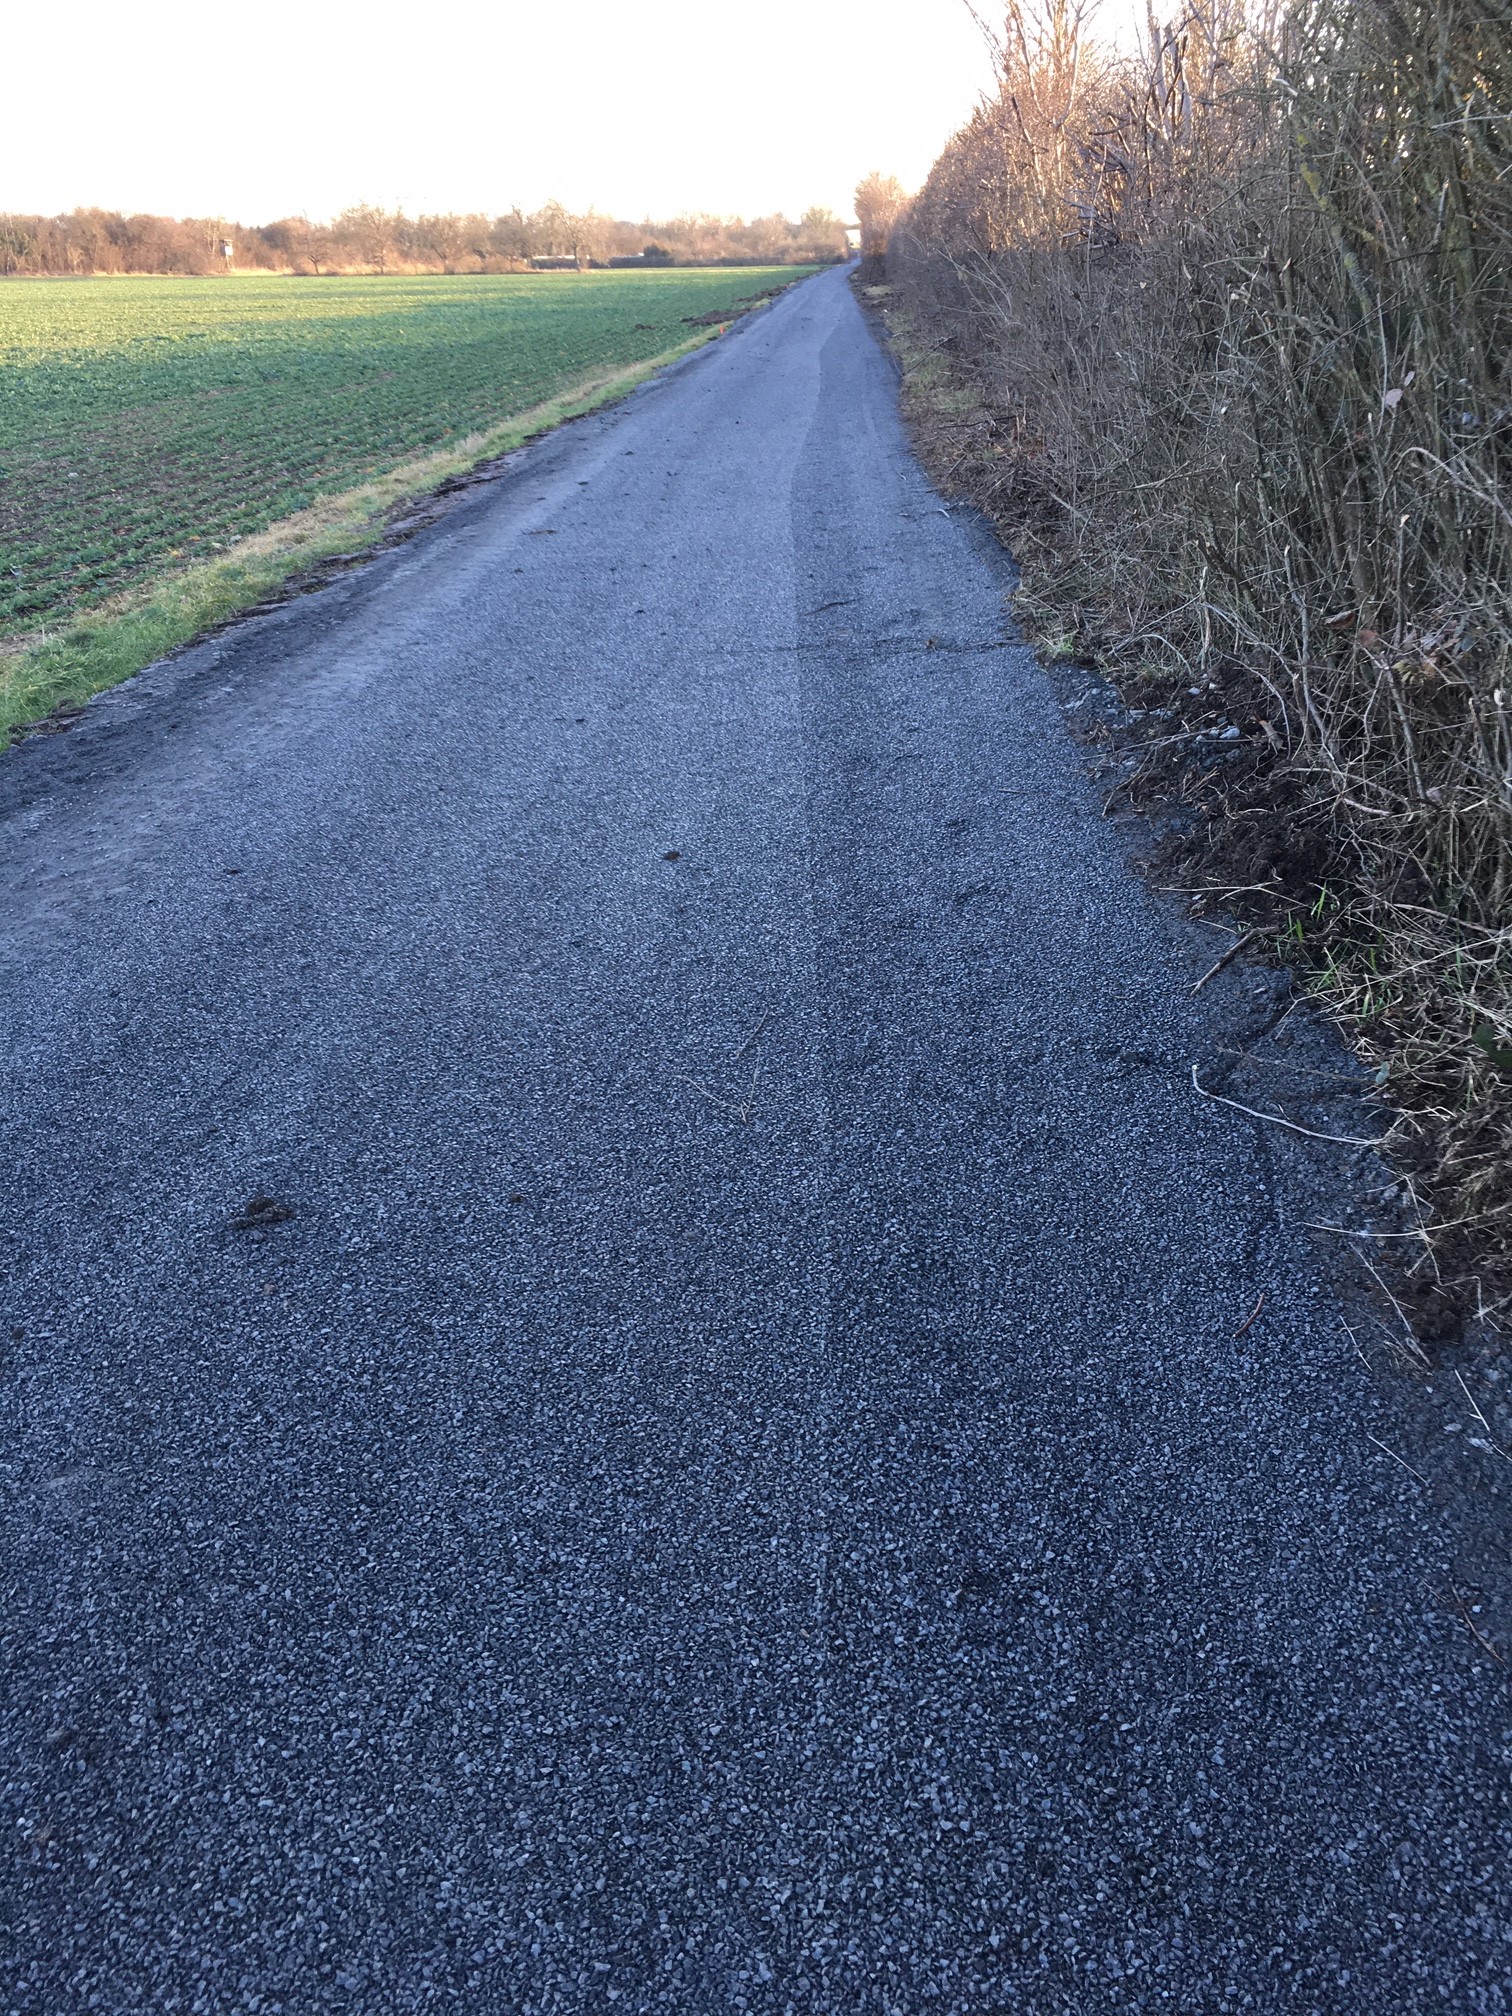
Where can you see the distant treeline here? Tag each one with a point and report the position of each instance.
(366, 239)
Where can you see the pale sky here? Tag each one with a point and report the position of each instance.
(297, 106)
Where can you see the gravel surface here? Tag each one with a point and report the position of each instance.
(623, 1386)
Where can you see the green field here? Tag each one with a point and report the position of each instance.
(147, 424)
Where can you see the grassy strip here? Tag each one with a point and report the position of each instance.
(51, 674)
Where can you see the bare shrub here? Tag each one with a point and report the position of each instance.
(880, 202)
(1238, 311)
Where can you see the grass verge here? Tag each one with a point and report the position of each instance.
(47, 676)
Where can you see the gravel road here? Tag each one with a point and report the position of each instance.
(719, 1473)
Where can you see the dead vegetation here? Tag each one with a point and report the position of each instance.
(880, 201)
(1219, 332)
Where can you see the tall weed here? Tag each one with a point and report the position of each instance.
(1238, 312)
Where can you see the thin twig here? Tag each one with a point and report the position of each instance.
(1191, 735)
(1475, 1632)
(1350, 1232)
(1398, 1459)
(1491, 1442)
(1220, 889)
(1413, 1347)
(1232, 953)
(1251, 1317)
(1292, 1126)
(698, 1086)
(752, 1037)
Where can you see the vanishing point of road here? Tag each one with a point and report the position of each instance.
(722, 1470)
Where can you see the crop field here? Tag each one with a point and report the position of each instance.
(148, 423)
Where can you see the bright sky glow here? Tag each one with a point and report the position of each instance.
(308, 105)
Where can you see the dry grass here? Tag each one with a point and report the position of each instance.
(1222, 333)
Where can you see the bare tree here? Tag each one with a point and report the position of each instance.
(820, 234)
(443, 235)
(379, 241)
(371, 232)
(551, 228)
(880, 201)
(588, 237)
(512, 236)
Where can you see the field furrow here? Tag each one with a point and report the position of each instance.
(148, 422)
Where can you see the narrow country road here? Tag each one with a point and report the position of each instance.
(734, 1485)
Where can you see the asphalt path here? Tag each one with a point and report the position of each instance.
(739, 1482)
